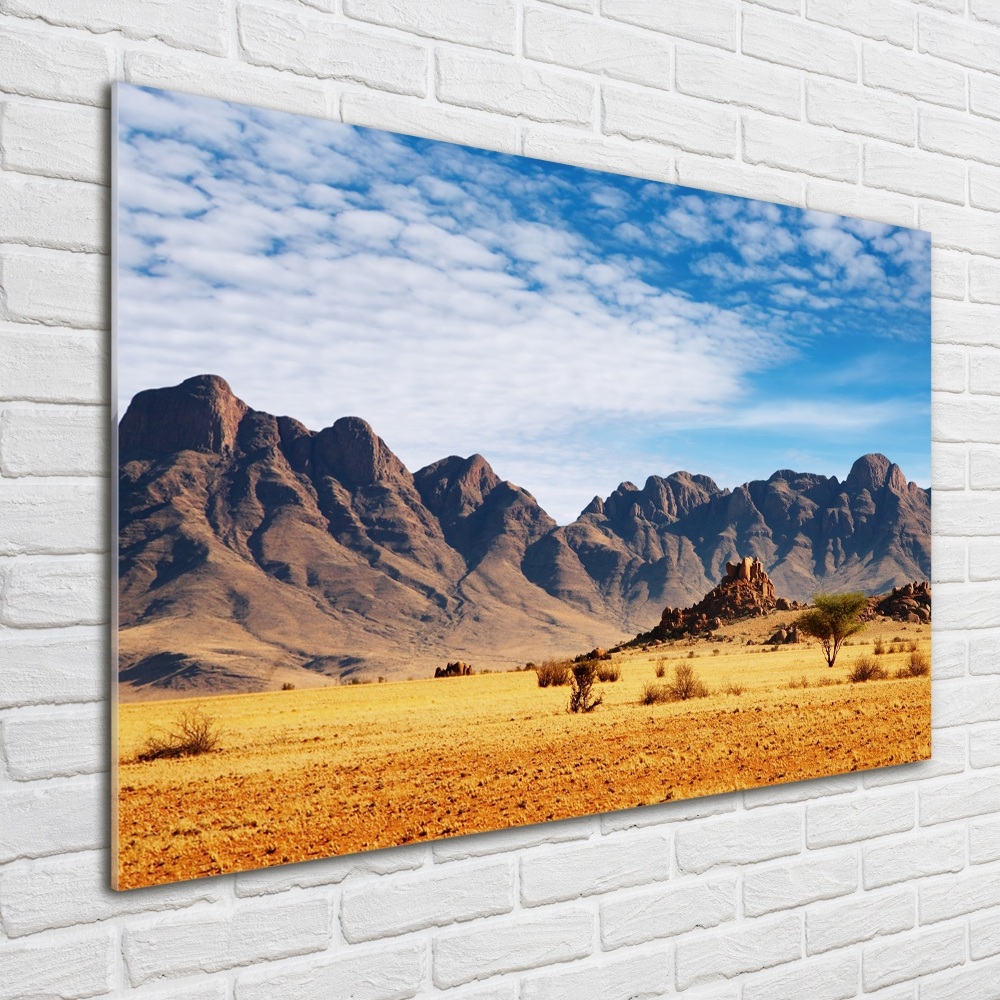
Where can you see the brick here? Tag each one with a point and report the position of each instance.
(948, 467)
(956, 323)
(985, 10)
(967, 513)
(959, 135)
(784, 887)
(917, 174)
(597, 47)
(858, 919)
(56, 288)
(959, 799)
(947, 280)
(859, 202)
(52, 518)
(984, 654)
(329, 871)
(913, 76)
(961, 984)
(984, 747)
(902, 959)
(732, 80)
(58, 966)
(949, 560)
(738, 840)
(973, 604)
(52, 365)
(222, 79)
(734, 178)
(984, 188)
(51, 667)
(788, 6)
(61, 68)
(388, 906)
(685, 125)
(799, 791)
(984, 367)
(664, 813)
(595, 867)
(799, 44)
(208, 942)
(39, 440)
(487, 24)
(204, 991)
(947, 897)
(984, 96)
(641, 975)
(598, 152)
(951, 369)
(949, 412)
(901, 860)
(756, 945)
(959, 42)
(952, 6)
(200, 24)
(984, 280)
(54, 140)
(799, 147)
(827, 979)
(385, 973)
(70, 891)
(876, 19)
(321, 47)
(962, 229)
(667, 911)
(711, 22)
(855, 109)
(51, 818)
(44, 593)
(55, 744)
(859, 817)
(511, 946)
(965, 703)
(984, 936)
(515, 839)
(406, 115)
(512, 88)
(984, 468)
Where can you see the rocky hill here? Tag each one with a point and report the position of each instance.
(253, 551)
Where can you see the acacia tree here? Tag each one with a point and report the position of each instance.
(833, 618)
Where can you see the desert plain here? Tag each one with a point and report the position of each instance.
(311, 773)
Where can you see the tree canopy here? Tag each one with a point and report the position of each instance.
(833, 618)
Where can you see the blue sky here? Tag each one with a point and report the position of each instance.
(576, 328)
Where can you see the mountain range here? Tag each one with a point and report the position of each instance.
(253, 551)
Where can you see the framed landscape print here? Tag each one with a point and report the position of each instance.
(458, 490)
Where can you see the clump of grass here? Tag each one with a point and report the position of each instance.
(911, 647)
(288, 686)
(606, 672)
(917, 666)
(691, 655)
(825, 682)
(661, 668)
(730, 688)
(191, 734)
(582, 681)
(686, 684)
(866, 669)
(800, 682)
(879, 649)
(716, 652)
(554, 673)
(654, 694)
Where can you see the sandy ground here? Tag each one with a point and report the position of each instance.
(312, 773)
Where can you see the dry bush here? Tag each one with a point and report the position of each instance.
(582, 681)
(918, 666)
(911, 647)
(825, 682)
(192, 733)
(879, 649)
(661, 668)
(288, 686)
(654, 694)
(686, 684)
(800, 682)
(606, 672)
(866, 669)
(730, 688)
(553, 672)
(691, 655)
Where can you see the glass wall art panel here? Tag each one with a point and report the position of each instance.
(458, 490)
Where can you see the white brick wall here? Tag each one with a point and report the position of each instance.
(885, 883)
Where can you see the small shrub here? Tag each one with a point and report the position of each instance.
(606, 673)
(911, 647)
(654, 694)
(801, 682)
(552, 672)
(288, 686)
(897, 638)
(661, 668)
(730, 688)
(866, 669)
(879, 649)
(917, 666)
(686, 684)
(691, 655)
(582, 680)
(193, 733)
(716, 652)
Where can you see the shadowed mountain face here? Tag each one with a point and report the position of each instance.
(253, 551)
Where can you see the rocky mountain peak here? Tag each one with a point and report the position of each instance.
(873, 472)
(355, 455)
(200, 414)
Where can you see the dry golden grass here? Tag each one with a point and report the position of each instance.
(313, 773)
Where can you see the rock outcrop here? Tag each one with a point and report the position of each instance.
(910, 603)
